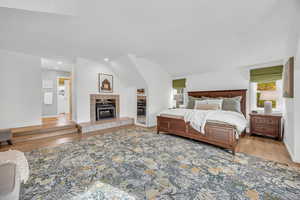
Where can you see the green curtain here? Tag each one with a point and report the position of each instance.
(179, 83)
(267, 74)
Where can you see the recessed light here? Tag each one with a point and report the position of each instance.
(106, 59)
(59, 62)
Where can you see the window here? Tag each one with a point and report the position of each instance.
(178, 92)
(257, 90)
(262, 87)
(179, 96)
(266, 85)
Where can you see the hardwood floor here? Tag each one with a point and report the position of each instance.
(265, 148)
(62, 120)
(262, 147)
(54, 141)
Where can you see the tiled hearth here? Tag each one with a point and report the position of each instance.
(90, 127)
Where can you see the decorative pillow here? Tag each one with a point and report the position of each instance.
(214, 102)
(191, 102)
(229, 104)
(207, 107)
(232, 104)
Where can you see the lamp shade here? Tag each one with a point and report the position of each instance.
(269, 95)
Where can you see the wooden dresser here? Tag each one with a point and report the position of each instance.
(266, 124)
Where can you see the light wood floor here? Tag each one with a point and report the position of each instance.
(61, 120)
(265, 148)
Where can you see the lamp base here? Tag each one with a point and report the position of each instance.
(268, 107)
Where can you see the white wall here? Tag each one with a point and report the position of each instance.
(159, 84)
(297, 109)
(85, 78)
(219, 80)
(292, 115)
(127, 72)
(20, 89)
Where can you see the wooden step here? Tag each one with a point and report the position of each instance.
(36, 136)
(89, 127)
(42, 129)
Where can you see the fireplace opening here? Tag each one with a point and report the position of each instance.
(105, 109)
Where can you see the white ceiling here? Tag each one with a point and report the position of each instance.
(184, 37)
(57, 64)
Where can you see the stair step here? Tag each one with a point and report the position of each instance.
(36, 136)
(41, 129)
(89, 127)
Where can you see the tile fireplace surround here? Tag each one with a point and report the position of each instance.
(95, 97)
(93, 125)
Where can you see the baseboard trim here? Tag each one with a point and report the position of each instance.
(25, 124)
(141, 125)
(290, 152)
(50, 116)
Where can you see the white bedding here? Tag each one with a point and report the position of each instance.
(198, 118)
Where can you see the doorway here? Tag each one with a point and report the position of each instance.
(56, 90)
(64, 95)
(141, 106)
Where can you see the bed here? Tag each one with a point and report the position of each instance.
(215, 133)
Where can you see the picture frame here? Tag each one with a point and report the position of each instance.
(105, 83)
(140, 91)
(288, 78)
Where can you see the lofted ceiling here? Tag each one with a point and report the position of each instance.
(184, 37)
(57, 64)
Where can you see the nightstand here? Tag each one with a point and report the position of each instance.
(266, 124)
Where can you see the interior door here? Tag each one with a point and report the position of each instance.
(61, 102)
(67, 96)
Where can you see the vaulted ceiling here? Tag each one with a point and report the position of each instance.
(184, 37)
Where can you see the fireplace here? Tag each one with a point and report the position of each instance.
(104, 107)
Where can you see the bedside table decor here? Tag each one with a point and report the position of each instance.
(268, 97)
(266, 124)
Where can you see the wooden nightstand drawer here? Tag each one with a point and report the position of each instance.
(265, 121)
(265, 129)
(268, 125)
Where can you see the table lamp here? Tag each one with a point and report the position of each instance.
(268, 97)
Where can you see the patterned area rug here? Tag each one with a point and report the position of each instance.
(139, 164)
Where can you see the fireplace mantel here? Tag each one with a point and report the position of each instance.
(95, 97)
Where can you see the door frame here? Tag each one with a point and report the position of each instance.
(70, 93)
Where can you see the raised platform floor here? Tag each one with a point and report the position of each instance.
(89, 127)
(60, 126)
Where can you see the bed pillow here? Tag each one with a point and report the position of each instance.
(232, 104)
(191, 102)
(229, 104)
(207, 107)
(210, 104)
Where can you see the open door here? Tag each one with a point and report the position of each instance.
(64, 97)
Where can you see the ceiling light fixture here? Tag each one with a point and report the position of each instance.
(106, 59)
(59, 62)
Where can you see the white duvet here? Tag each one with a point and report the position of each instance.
(198, 118)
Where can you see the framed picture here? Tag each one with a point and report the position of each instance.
(288, 79)
(105, 83)
(140, 91)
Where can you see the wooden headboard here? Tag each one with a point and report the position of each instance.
(223, 93)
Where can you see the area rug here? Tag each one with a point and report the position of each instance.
(138, 164)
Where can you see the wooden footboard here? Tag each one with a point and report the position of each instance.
(217, 134)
